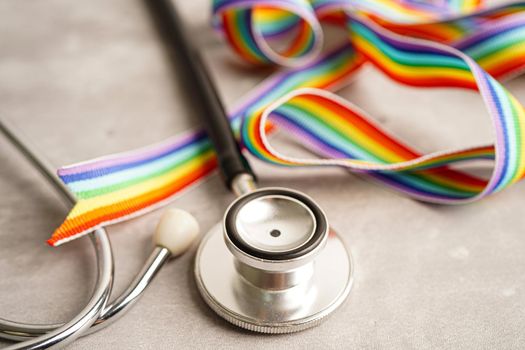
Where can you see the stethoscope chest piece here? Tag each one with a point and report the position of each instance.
(273, 265)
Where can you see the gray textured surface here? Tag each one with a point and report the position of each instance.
(83, 79)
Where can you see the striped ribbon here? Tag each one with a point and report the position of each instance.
(442, 43)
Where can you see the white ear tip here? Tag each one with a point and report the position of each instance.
(176, 231)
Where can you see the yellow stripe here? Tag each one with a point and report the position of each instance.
(269, 15)
(377, 148)
(86, 205)
(521, 147)
(409, 71)
(510, 53)
(322, 79)
(413, 14)
(349, 130)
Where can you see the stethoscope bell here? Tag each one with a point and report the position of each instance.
(273, 265)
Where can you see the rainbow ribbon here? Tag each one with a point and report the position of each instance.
(443, 43)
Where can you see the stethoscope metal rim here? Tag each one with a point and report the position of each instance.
(234, 208)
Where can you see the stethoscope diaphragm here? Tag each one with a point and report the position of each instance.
(273, 265)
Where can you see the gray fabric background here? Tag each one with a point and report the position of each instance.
(84, 79)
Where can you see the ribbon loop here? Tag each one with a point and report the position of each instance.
(449, 43)
(252, 26)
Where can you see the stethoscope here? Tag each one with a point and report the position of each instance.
(175, 232)
(272, 265)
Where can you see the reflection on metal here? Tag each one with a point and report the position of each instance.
(304, 275)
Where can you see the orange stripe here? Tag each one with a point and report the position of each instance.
(362, 124)
(116, 210)
(230, 31)
(435, 81)
(384, 139)
(300, 39)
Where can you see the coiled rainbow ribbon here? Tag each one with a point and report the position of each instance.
(426, 44)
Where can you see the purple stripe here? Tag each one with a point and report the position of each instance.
(497, 28)
(414, 193)
(258, 94)
(134, 157)
(306, 137)
(405, 44)
(393, 180)
(493, 110)
(237, 4)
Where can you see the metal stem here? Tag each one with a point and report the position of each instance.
(158, 257)
(242, 184)
(66, 333)
(96, 314)
(29, 151)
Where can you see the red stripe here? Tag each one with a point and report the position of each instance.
(108, 213)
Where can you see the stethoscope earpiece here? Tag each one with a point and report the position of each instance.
(273, 265)
(176, 231)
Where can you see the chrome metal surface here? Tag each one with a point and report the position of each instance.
(158, 257)
(245, 300)
(24, 332)
(47, 336)
(275, 223)
(71, 330)
(29, 151)
(272, 280)
(242, 184)
(96, 314)
(302, 234)
(37, 336)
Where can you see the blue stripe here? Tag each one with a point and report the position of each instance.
(104, 171)
(497, 103)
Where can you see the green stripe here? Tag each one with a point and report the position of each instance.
(201, 151)
(328, 133)
(317, 127)
(420, 60)
(277, 26)
(519, 145)
(496, 44)
(245, 35)
(298, 79)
